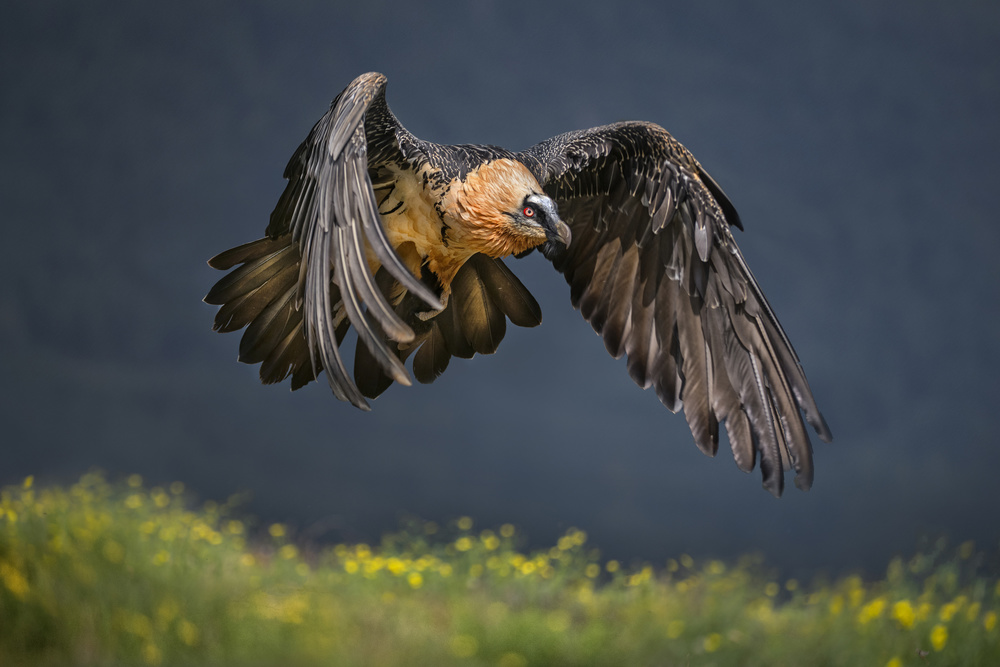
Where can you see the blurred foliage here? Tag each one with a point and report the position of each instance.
(100, 574)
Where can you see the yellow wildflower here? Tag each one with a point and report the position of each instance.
(177, 488)
(151, 654)
(276, 530)
(415, 579)
(465, 523)
(836, 605)
(507, 530)
(675, 628)
(490, 540)
(612, 566)
(463, 543)
(135, 481)
(990, 621)
(373, 565)
(871, 611)
(641, 577)
(939, 637)
(948, 610)
(895, 661)
(771, 589)
(712, 642)
(14, 580)
(903, 612)
(857, 596)
(687, 561)
(187, 632)
(160, 497)
(135, 623)
(592, 570)
(395, 565)
(167, 611)
(717, 567)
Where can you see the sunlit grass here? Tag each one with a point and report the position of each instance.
(109, 575)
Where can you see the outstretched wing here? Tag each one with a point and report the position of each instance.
(330, 211)
(654, 268)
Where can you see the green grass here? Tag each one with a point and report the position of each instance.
(98, 574)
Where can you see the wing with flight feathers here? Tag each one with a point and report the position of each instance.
(654, 268)
(330, 211)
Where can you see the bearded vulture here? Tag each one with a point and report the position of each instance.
(403, 240)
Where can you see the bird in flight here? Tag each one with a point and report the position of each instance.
(403, 240)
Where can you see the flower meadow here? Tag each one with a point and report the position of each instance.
(121, 574)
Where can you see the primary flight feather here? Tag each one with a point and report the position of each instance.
(404, 241)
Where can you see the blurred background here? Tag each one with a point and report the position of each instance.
(858, 139)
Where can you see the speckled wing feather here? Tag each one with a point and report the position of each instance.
(654, 268)
(330, 211)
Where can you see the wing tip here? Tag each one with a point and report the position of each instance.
(822, 429)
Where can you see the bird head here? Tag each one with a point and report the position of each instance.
(538, 218)
(499, 210)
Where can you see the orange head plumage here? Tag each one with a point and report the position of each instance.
(500, 210)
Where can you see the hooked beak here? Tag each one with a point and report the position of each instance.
(556, 231)
(559, 233)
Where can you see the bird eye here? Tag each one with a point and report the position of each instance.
(528, 212)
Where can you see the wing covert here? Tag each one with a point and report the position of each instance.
(654, 268)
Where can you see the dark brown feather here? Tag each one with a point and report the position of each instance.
(482, 324)
(432, 358)
(507, 292)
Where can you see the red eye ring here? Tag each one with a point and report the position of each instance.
(528, 212)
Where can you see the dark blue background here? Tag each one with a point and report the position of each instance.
(859, 141)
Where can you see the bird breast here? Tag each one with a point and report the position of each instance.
(443, 226)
